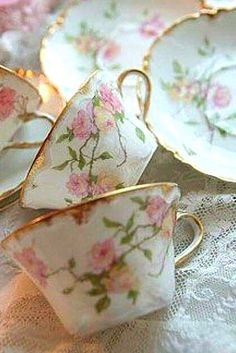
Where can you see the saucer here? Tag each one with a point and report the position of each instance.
(114, 36)
(194, 96)
(12, 175)
(218, 4)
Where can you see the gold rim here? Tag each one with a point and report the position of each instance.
(40, 154)
(45, 218)
(197, 238)
(4, 69)
(51, 29)
(146, 62)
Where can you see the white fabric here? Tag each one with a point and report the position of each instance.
(202, 317)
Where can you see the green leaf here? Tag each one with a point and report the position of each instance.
(120, 117)
(93, 279)
(68, 290)
(138, 200)
(71, 135)
(72, 153)
(140, 134)
(93, 178)
(105, 155)
(97, 291)
(148, 254)
(68, 201)
(111, 224)
(96, 101)
(133, 295)
(120, 186)
(127, 239)
(130, 223)
(69, 38)
(61, 166)
(202, 52)
(222, 132)
(71, 263)
(177, 67)
(103, 304)
(165, 85)
(231, 117)
(115, 67)
(82, 162)
(62, 138)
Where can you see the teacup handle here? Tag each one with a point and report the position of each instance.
(197, 238)
(146, 104)
(26, 118)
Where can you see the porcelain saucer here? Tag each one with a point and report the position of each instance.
(194, 96)
(108, 34)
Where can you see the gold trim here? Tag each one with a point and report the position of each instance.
(146, 62)
(147, 81)
(197, 239)
(83, 88)
(40, 154)
(50, 31)
(4, 70)
(45, 218)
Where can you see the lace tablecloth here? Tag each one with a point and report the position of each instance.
(202, 317)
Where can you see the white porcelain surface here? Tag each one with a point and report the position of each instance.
(194, 94)
(105, 34)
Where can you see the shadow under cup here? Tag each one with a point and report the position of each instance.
(106, 261)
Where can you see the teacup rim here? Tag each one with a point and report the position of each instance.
(213, 13)
(20, 232)
(5, 69)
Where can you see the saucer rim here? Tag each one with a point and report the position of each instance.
(213, 13)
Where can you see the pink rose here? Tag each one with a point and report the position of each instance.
(221, 96)
(78, 184)
(103, 254)
(28, 259)
(120, 280)
(110, 50)
(7, 98)
(109, 99)
(152, 27)
(88, 44)
(105, 183)
(83, 124)
(156, 210)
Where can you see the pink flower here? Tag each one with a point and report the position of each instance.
(120, 280)
(105, 183)
(29, 260)
(88, 44)
(156, 210)
(103, 254)
(104, 118)
(23, 15)
(168, 224)
(221, 96)
(110, 50)
(78, 184)
(152, 27)
(83, 124)
(109, 99)
(7, 98)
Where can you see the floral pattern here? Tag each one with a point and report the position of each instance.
(29, 260)
(7, 102)
(203, 93)
(152, 27)
(108, 268)
(98, 116)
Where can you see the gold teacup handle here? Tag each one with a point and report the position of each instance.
(197, 238)
(147, 81)
(26, 118)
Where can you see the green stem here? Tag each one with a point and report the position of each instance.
(93, 154)
(121, 145)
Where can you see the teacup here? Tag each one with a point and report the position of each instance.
(19, 102)
(94, 147)
(108, 260)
